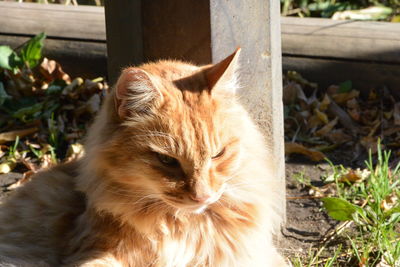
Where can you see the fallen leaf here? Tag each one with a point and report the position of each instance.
(352, 176)
(389, 202)
(294, 148)
(321, 115)
(7, 166)
(12, 135)
(338, 136)
(324, 103)
(75, 151)
(327, 128)
(51, 70)
(295, 76)
(342, 98)
(314, 121)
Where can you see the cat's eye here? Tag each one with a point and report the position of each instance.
(167, 160)
(222, 152)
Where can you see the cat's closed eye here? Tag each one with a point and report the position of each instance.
(167, 160)
(220, 154)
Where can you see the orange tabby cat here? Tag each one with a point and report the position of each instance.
(175, 174)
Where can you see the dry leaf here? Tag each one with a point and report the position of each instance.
(7, 166)
(75, 151)
(314, 121)
(294, 148)
(389, 202)
(321, 115)
(324, 191)
(352, 176)
(327, 128)
(338, 136)
(12, 135)
(51, 70)
(342, 98)
(323, 106)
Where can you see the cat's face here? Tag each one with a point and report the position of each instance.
(180, 139)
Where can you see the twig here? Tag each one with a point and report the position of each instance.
(304, 197)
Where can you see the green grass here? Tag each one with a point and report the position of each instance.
(370, 211)
(327, 8)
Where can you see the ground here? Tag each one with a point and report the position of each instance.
(306, 224)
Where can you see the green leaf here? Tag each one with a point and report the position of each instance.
(340, 209)
(3, 94)
(345, 87)
(9, 59)
(24, 114)
(31, 52)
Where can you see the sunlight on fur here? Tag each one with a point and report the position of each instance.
(175, 174)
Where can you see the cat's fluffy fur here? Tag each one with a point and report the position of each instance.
(121, 205)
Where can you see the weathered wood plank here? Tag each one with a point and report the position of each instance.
(354, 40)
(70, 22)
(178, 35)
(124, 35)
(255, 26)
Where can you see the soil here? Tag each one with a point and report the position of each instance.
(306, 224)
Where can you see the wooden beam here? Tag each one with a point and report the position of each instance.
(124, 35)
(350, 40)
(71, 22)
(254, 25)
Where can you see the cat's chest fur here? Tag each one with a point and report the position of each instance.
(168, 241)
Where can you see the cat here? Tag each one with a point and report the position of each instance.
(175, 174)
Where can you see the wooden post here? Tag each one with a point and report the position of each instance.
(204, 31)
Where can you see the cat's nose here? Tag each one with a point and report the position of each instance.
(200, 198)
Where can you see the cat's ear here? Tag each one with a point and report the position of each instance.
(135, 92)
(223, 75)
